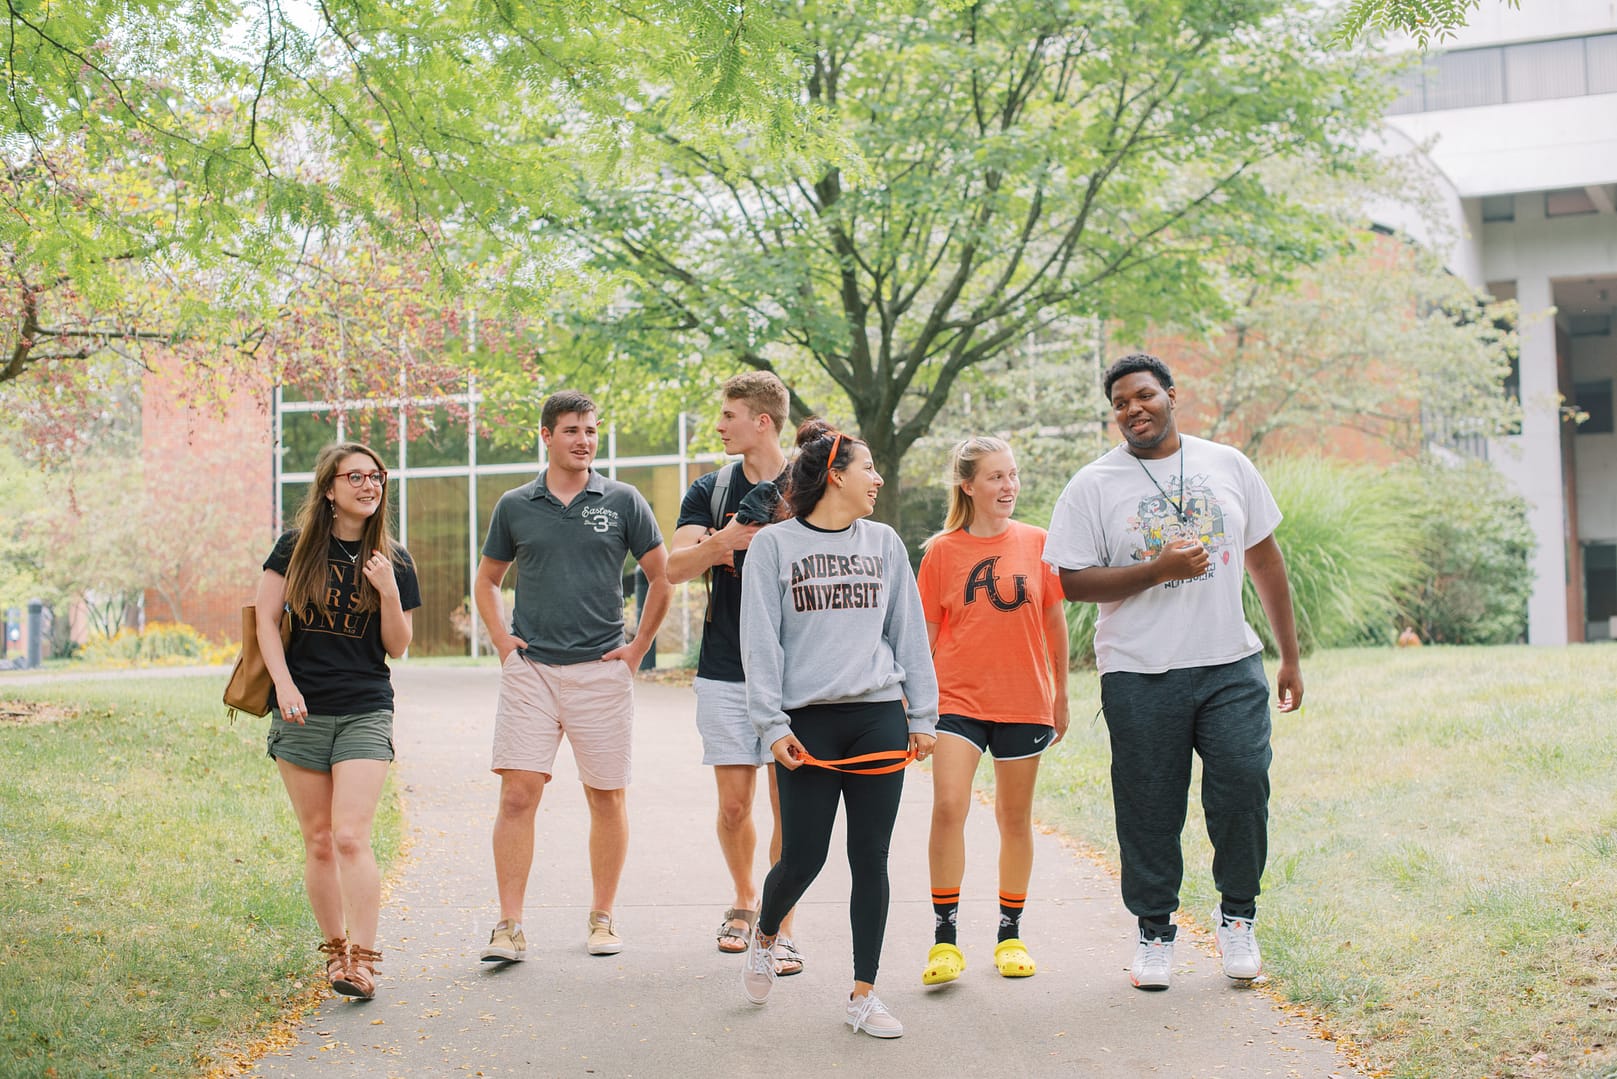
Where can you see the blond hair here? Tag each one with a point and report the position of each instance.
(963, 461)
(761, 391)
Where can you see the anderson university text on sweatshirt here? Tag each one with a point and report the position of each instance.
(832, 617)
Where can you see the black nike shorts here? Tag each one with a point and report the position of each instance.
(1007, 741)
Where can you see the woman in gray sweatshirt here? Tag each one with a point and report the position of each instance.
(835, 650)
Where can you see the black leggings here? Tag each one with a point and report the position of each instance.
(808, 809)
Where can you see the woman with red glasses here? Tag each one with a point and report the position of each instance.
(834, 647)
(349, 590)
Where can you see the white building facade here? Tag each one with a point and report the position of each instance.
(1517, 116)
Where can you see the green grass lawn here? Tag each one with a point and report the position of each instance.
(1442, 880)
(150, 880)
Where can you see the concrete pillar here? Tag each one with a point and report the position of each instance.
(1538, 471)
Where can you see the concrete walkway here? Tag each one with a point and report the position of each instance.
(670, 1004)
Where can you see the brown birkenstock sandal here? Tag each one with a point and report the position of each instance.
(733, 941)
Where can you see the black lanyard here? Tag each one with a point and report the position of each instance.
(1178, 507)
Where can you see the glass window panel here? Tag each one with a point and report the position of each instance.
(1499, 208)
(395, 497)
(303, 436)
(660, 486)
(377, 428)
(1411, 85)
(1595, 399)
(1544, 69)
(1600, 53)
(648, 440)
(507, 434)
(489, 490)
(1600, 582)
(292, 496)
(438, 436)
(507, 446)
(1568, 203)
(1460, 80)
(438, 543)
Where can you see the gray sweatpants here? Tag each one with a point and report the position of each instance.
(1156, 721)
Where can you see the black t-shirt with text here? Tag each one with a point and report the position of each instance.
(336, 655)
(721, 632)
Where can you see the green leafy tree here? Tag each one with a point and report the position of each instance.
(996, 171)
(204, 142)
(1476, 581)
(1379, 339)
(1423, 20)
(22, 549)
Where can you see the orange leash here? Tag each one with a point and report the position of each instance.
(900, 759)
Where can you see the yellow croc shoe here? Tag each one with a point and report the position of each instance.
(1013, 960)
(944, 963)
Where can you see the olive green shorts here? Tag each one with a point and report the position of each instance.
(325, 740)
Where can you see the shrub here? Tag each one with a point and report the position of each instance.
(1475, 584)
(159, 644)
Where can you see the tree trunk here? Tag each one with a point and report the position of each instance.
(889, 509)
(889, 459)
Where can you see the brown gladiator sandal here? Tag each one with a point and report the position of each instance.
(336, 950)
(362, 964)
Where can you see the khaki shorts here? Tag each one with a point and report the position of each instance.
(591, 703)
(323, 741)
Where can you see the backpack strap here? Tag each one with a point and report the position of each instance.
(721, 493)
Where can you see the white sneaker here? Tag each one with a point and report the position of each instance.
(1237, 946)
(869, 1014)
(757, 969)
(1153, 963)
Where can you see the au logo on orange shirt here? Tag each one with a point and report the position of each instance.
(982, 578)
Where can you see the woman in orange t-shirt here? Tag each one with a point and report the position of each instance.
(999, 642)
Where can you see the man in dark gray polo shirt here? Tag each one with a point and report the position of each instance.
(564, 666)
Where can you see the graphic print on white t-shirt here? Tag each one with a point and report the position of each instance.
(1157, 523)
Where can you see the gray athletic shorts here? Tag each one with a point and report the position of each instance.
(728, 736)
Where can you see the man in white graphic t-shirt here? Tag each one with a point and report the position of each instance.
(1159, 532)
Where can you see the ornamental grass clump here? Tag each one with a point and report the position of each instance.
(1354, 550)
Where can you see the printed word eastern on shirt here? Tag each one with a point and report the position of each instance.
(809, 594)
